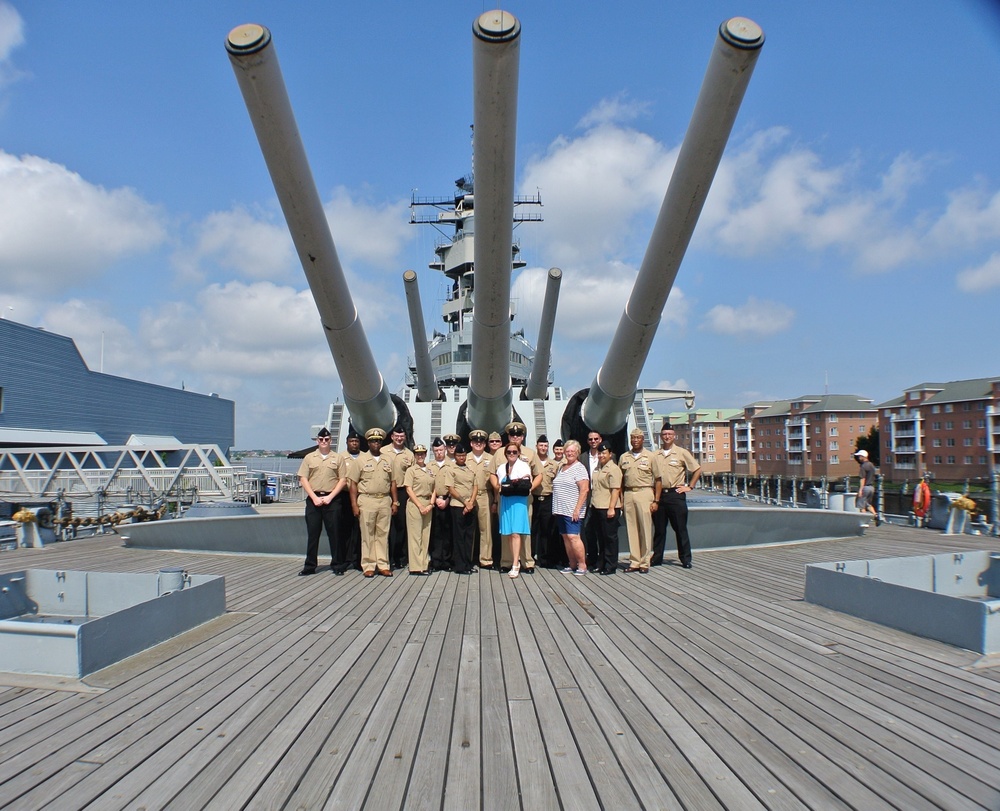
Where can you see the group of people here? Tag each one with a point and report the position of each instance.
(494, 502)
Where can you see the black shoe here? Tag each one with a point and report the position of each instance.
(338, 571)
(606, 571)
(528, 571)
(687, 565)
(306, 572)
(878, 521)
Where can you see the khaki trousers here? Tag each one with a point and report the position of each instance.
(639, 523)
(375, 514)
(418, 536)
(485, 533)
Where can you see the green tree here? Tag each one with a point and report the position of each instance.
(869, 442)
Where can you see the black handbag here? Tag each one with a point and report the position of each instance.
(516, 487)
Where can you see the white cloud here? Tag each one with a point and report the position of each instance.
(979, 279)
(236, 240)
(618, 109)
(58, 230)
(372, 234)
(11, 36)
(590, 303)
(244, 330)
(601, 192)
(756, 318)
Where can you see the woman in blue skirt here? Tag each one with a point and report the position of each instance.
(512, 482)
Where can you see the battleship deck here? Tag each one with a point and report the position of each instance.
(711, 688)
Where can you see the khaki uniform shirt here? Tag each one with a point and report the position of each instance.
(400, 462)
(603, 482)
(484, 468)
(638, 471)
(463, 479)
(675, 465)
(549, 469)
(440, 488)
(322, 474)
(374, 475)
(348, 464)
(421, 481)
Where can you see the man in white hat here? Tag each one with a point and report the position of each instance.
(866, 487)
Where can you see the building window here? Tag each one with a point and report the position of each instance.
(979, 423)
(949, 425)
(966, 406)
(835, 460)
(834, 445)
(937, 460)
(968, 460)
(982, 460)
(948, 408)
(936, 425)
(936, 409)
(833, 431)
(966, 423)
(950, 442)
(937, 443)
(967, 442)
(951, 460)
(819, 457)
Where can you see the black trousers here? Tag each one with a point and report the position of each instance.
(607, 539)
(590, 534)
(542, 530)
(349, 531)
(463, 538)
(317, 519)
(441, 542)
(399, 554)
(672, 509)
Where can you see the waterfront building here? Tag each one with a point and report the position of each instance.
(807, 437)
(950, 431)
(49, 397)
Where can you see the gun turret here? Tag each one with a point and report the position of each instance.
(733, 58)
(255, 64)
(427, 387)
(538, 380)
(496, 51)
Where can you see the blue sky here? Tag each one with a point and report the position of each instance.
(851, 241)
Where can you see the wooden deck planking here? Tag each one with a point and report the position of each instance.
(716, 687)
(846, 708)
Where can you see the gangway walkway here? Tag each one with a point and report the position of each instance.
(126, 471)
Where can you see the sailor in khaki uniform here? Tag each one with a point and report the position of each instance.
(641, 491)
(676, 465)
(419, 483)
(481, 461)
(461, 482)
(373, 495)
(402, 458)
(605, 498)
(319, 476)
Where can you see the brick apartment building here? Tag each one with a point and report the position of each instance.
(808, 437)
(948, 430)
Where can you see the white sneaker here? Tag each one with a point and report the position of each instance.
(567, 570)
(580, 572)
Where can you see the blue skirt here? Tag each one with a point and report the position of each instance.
(514, 515)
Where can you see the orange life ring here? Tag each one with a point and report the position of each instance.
(921, 500)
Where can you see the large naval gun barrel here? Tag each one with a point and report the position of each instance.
(496, 50)
(427, 388)
(255, 64)
(733, 58)
(538, 380)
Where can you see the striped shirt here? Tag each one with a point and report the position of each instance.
(566, 491)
